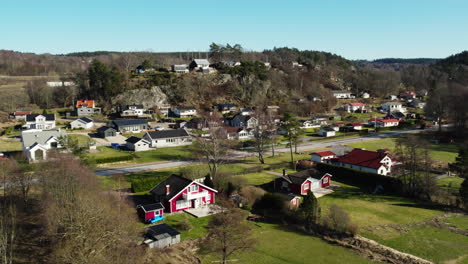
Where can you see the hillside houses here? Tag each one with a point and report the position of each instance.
(132, 110)
(184, 111)
(129, 125)
(393, 107)
(342, 94)
(240, 120)
(86, 108)
(40, 121)
(354, 107)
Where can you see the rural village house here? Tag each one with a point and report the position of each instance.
(40, 121)
(132, 110)
(393, 107)
(354, 107)
(168, 138)
(86, 108)
(184, 111)
(176, 193)
(300, 183)
(137, 144)
(180, 68)
(161, 236)
(106, 131)
(378, 162)
(129, 125)
(36, 143)
(342, 94)
(240, 120)
(20, 115)
(327, 132)
(322, 156)
(83, 123)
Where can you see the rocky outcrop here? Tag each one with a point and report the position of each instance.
(153, 97)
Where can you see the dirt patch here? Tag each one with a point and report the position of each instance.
(182, 253)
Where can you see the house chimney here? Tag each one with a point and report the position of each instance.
(168, 189)
(284, 172)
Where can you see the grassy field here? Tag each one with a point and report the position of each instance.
(162, 154)
(258, 178)
(451, 183)
(278, 245)
(460, 221)
(10, 144)
(83, 140)
(440, 152)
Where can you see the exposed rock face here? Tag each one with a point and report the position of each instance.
(147, 97)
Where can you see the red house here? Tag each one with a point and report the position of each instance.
(302, 182)
(176, 193)
(322, 156)
(149, 211)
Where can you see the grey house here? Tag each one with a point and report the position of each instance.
(137, 144)
(106, 131)
(168, 138)
(160, 236)
(129, 125)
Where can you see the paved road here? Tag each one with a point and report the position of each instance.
(240, 154)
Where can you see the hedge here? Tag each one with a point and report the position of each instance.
(113, 159)
(146, 184)
(351, 176)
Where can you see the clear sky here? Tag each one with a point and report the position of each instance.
(355, 29)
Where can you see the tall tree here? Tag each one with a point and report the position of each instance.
(228, 234)
(309, 211)
(290, 125)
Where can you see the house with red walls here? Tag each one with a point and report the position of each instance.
(149, 211)
(300, 183)
(177, 193)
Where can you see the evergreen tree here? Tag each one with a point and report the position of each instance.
(309, 211)
(208, 181)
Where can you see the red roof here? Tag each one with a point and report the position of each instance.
(375, 119)
(357, 104)
(339, 123)
(356, 124)
(389, 120)
(364, 158)
(87, 103)
(22, 113)
(325, 153)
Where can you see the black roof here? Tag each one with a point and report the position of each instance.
(327, 128)
(152, 207)
(132, 139)
(168, 133)
(225, 106)
(129, 122)
(162, 229)
(186, 108)
(105, 128)
(300, 176)
(48, 117)
(86, 120)
(176, 184)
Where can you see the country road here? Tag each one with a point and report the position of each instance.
(240, 154)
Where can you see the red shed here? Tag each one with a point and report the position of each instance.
(148, 211)
(301, 182)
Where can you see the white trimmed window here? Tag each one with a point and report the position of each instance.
(181, 204)
(193, 188)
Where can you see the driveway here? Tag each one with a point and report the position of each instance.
(107, 141)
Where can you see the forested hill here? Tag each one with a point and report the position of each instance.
(406, 61)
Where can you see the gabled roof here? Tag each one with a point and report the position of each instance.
(324, 153)
(389, 120)
(161, 229)
(176, 183)
(85, 103)
(32, 117)
(151, 207)
(327, 128)
(22, 113)
(168, 134)
(356, 104)
(105, 128)
(301, 176)
(201, 61)
(129, 122)
(29, 137)
(134, 140)
(85, 120)
(364, 158)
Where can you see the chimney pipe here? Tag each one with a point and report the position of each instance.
(168, 189)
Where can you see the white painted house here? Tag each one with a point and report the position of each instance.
(354, 107)
(82, 123)
(322, 156)
(327, 132)
(137, 144)
(168, 138)
(378, 162)
(393, 107)
(133, 110)
(184, 111)
(40, 121)
(342, 94)
(36, 143)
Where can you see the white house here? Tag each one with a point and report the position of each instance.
(240, 120)
(393, 107)
(378, 162)
(133, 110)
(387, 122)
(40, 121)
(304, 124)
(83, 123)
(86, 108)
(137, 144)
(184, 111)
(322, 156)
(199, 64)
(180, 68)
(365, 95)
(342, 94)
(59, 83)
(168, 138)
(327, 132)
(36, 143)
(354, 107)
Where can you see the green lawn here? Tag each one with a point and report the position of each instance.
(440, 152)
(451, 183)
(160, 154)
(278, 245)
(427, 242)
(198, 229)
(10, 144)
(258, 178)
(460, 221)
(107, 152)
(83, 140)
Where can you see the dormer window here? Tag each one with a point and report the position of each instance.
(193, 188)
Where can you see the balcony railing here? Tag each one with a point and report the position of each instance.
(191, 196)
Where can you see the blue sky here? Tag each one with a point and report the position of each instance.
(355, 29)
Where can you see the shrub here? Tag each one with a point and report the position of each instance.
(113, 159)
(251, 194)
(183, 225)
(142, 185)
(270, 205)
(339, 221)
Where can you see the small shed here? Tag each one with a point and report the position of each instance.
(160, 236)
(106, 131)
(149, 211)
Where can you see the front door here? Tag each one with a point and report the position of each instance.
(196, 203)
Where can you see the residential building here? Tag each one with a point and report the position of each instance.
(407, 95)
(82, 123)
(388, 122)
(148, 212)
(40, 121)
(226, 108)
(106, 131)
(304, 124)
(342, 94)
(161, 236)
(36, 143)
(354, 126)
(240, 120)
(199, 64)
(176, 193)
(184, 111)
(180, 68)
(137, 144)
(86, 108)
(322, 156)
(246, 111)
(239, 133)
(393, 107)
(327, 132)
(20, 115)
(134, 110)
(300, 183)
(320, 120)
(129, 125)
(168, 138)
(355, 107)
(378, 162)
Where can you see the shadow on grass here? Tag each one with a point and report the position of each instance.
(429, 206)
